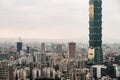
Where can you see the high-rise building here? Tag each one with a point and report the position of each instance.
(43, 47)
(19, 46)
(6, 71)
(59, 49)
(28, 49)
(72, 49)
(95, 54)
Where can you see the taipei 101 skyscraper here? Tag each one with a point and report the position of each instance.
(95, 54)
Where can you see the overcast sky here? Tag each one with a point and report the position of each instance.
(55, 19)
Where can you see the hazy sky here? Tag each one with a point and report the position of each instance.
(55, 19)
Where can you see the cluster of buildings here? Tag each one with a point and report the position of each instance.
(62, 61)
(31, 63)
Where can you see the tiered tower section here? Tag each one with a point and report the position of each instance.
(95, 55)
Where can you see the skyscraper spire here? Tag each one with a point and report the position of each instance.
(95, 54)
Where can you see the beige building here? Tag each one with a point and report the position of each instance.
(4, 71)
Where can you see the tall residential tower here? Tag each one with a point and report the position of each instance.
(95, 55)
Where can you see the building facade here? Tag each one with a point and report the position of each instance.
(95, 54)
(59, 49)
(4, 71)
(19, 46)
(43, 47)
(72, 49)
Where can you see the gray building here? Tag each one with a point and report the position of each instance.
(43, 47)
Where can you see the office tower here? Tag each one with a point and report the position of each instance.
(59, 49)
(19, 46)
(72, 49)
(28, 49)
(43, 47)
(43, 56)
(95, 55)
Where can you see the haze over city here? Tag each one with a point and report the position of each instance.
(55, 19)
(59, 40)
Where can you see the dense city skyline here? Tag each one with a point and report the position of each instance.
(51, 19)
